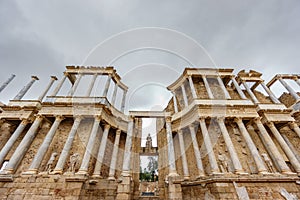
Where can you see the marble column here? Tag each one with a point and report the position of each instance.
(270, 93)
(38, 158)
(185, 99)
(89, 147)
(60, 84)
(75, 85)
(7, 82)
(207, 87)
(291, 146)
(11, 141)
(41, 97)
(291, 90)
(226, 94)
(271, 147)
(297, 80)
(114, 97)
(232, 152)
(175, 102)
(295, 163)
(238, 88)
(113, 163)
(23, 147)
(209, 148)
(196, 151)
(194, 94)
(25, 89)
(253, 97)
(261, 168)
(67, 147)
(101, 152)
(294, 126)
(123, 100)
(171, 152)
(127, 151)
(107, 86)
(186, 175)
(91, 86)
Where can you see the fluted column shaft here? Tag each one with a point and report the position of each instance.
(209, 148)
(297, 81)
(114, 97)
(26, 88)
(114, 157)
(127, 150)
(233, 155)
(67, 147)
(58, 87)
(91, 86)
(7, 82)
(185, 99)
(291, 90)
(291, 146)
(196, 151)
(123, 100)
(37, 160)
(295, 127)
(271, 148)
(107, 86)
(226, 94)
(9, 144)
(270, 93)
(171, 152)
(89, 147)
(207, 87)
(183, 155)
(295, 163)
(238, 88)
(253, 97)
(101, 151)
(253, 149)
(75, 85)
(175, 102)
(41, 97)
(194, 94)
(24, 145)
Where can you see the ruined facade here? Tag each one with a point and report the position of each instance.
(220, 137)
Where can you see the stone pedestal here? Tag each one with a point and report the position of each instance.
(124, 188)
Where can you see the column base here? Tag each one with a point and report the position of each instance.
(241, 172)
(82, 172)
(30, 172)
(57, 171)
(8, 171)
(289, 173)
(97, 176)
(111, 178)
(200, 176)
(186, 178)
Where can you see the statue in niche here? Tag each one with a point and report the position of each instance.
(50, 162)
(268, 162)
(224, 162)
(148, 142)
(74, 162)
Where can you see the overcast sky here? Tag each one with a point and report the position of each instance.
(42, 37)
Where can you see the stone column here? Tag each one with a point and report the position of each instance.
(253, 97)
(208, 90)
(192, 87)
(123, 100)
(92, 83)
(7, 82)
(107, 85)
(26, 88)
(209, 148)
(291, 91)
(186, 175)
(238, 88)
(58, 87)
(271, 148)
(67, 147)
(185, 99)
(11, 141)
(114, 97)
(41, 97)
(270, 93)
(295, 163)
(233, 155)
(38, 158)
(23, 147)
(127, 150)
(226, 94)
(196, 151)
(101, 152)
(253, 150)
(113, 163)
(294, 126)
(291, 146)
(89, 147)
(175, 102)
(297, 80)
(75, 85)
(171, 152)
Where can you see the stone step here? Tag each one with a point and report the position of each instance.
(148, 198)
